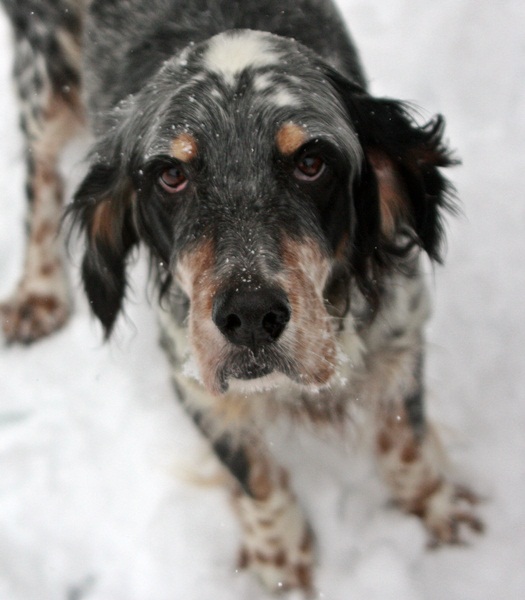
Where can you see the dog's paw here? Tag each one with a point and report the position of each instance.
(447, 511)
(28, 316)
(281, 568)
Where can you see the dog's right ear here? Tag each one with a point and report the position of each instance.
(102, 209)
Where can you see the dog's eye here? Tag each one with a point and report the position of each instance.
(173, 180)
(309, 168)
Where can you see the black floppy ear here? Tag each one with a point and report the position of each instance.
(401, 188)
(102, 210)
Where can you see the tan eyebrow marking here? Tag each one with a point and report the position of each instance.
(184, 147)
(290, 138)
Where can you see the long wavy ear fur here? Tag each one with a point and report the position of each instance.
(102, 210)
(401, 188)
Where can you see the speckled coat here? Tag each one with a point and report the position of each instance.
(285, 211)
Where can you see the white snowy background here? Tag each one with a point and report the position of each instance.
(95, 500)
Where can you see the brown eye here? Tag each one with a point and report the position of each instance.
(309, 168)
(173, 180)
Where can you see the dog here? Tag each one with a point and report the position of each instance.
(285, 211)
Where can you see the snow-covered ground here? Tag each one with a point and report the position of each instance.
(95, 498)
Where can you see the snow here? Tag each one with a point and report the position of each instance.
(97, 499)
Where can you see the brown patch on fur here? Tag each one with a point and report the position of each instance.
(243, 560)
(409, 468)
(47, 193)
(384, 442)
(341, 251)
(265, 476)
(49, 268)
(195, 275)
(43, 232)
(279, 559)
(307, 543)
(290, 138)
(304, 577)
(102, 226)
(261, 484)
(419, 504)
(47, 303)
(33, 318)
(65, 104)
(464, 493)
(184, 147)
(393, 202)
(410, 452)
(309, 334)
(45, 175)
(323, 407)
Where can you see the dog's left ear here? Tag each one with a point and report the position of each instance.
(400, 187)
(102, 208)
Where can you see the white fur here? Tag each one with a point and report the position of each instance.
(262, 82)
(261, 384)
(283, 97)
(230, 54)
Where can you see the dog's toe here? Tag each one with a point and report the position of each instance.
(448, 511)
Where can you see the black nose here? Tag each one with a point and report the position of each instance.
(251, 317)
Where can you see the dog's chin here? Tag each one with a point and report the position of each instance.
(247, 372)
(246, 376)
(255, 385)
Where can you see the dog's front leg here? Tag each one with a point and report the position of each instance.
(277, 540)
(47, 81)
(410, 457)
(277, 544)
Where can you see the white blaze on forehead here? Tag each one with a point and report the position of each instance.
(229, 54)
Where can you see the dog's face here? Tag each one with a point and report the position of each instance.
(264, 184)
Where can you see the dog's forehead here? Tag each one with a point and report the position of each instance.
(254, 82)
(279, 70)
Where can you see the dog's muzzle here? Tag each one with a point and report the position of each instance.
(253, 319)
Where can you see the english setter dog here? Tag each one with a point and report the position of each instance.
(285, 210)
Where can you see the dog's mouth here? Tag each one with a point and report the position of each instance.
(248, 371)
(243, 368)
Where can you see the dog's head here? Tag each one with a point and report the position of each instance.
(265, 184)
